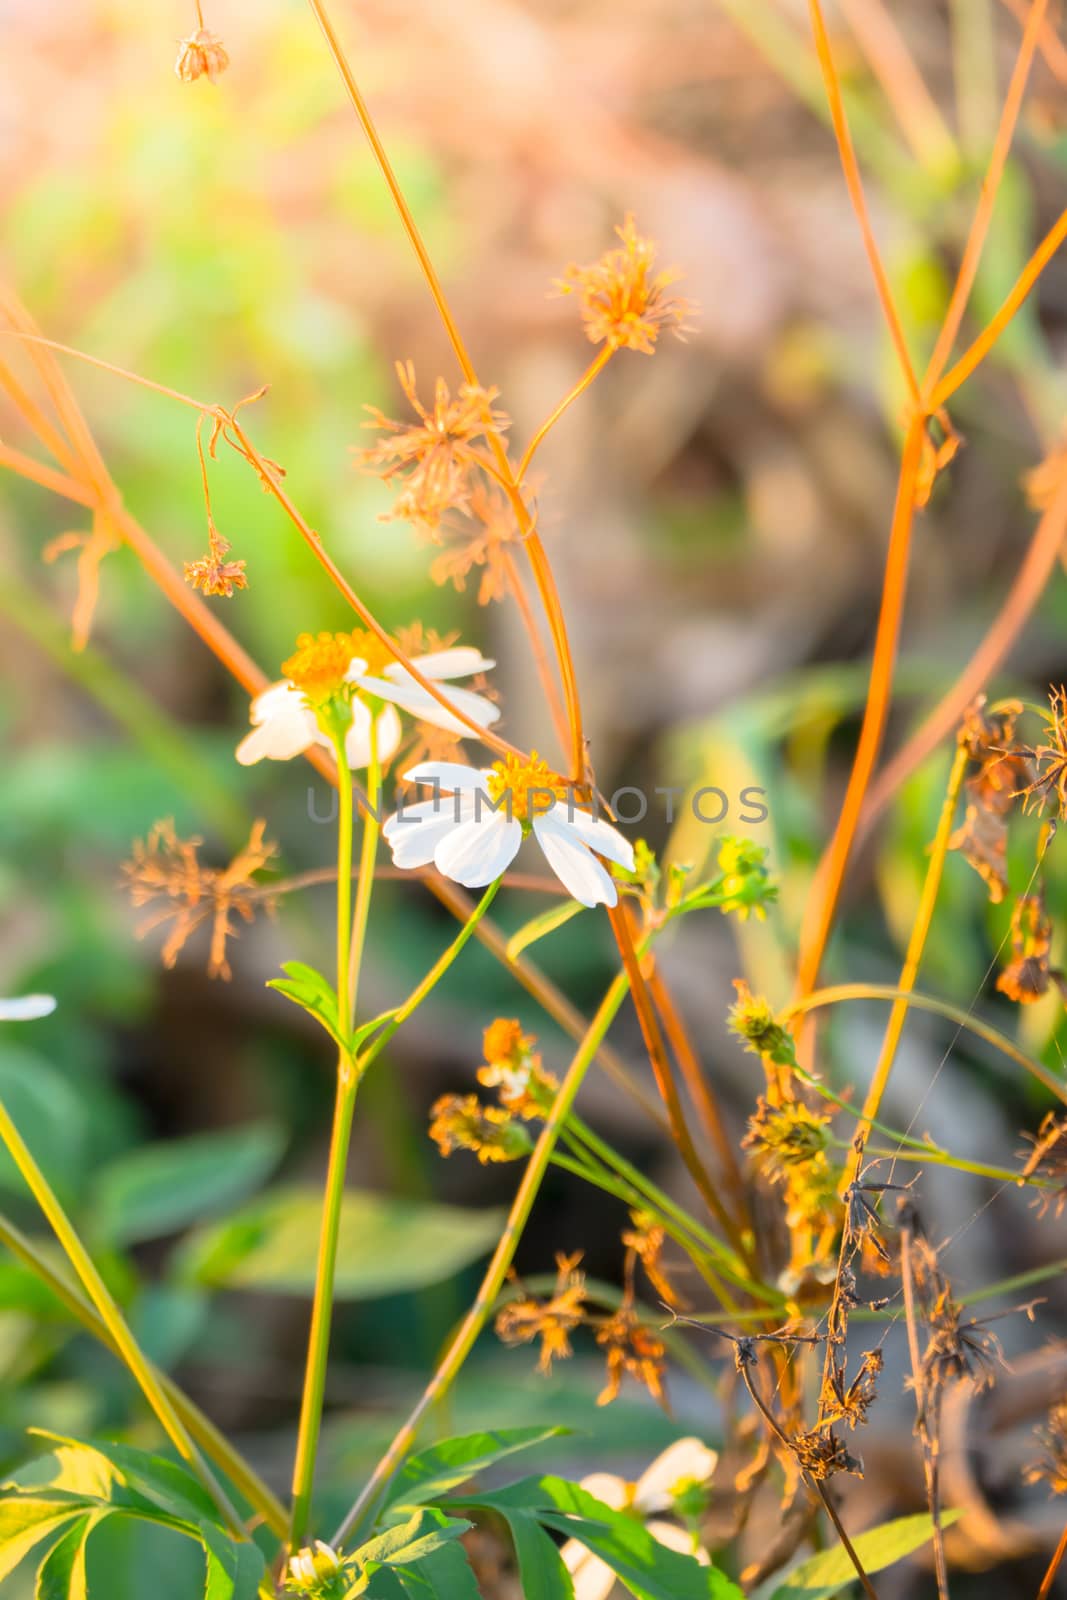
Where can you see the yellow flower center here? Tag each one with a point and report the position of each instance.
(320, 663)
(532, 785)
(373, 651)
(504, 1041)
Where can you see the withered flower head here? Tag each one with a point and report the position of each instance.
(461, 1122)
(821, 1454)
(623, 302)
(753, 1020)
(476, 536)
(790, 1135)
(1049, 786)
(959, 1349)
(1005, 770)
(1048, 1160)
(201, 55)
(213, 574)
(631, 1350)
(1027, 976)
(646, 1240)
(164, 867)
(1052, 1466)
(552, 1321)
(513, 1068)
(437, 453)
(841, 1402)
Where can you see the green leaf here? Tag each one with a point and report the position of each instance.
(234, 1571)
(25, 1521)
(541, 1567)
(161, 1188)
(826, 1574)
(48, 1114)
(117, 1475)
(425, 1531)
(61, 1575)
(307, 988)
(387, 1246)
(445, 1575)
(538, 927)
(446, 1465)
(647, 1568)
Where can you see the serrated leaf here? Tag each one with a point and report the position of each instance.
(24, 1522)
(446, 1575)
(446, 1465)
(823, 1576)
(314, 993)
(425, 1531)
(386, 1246)
(539, 927)
(118, 1475)
(61, 1575)
(161, 1188)
(234, 1570)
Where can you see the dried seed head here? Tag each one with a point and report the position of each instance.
(461, 1122)
(552, 1321)
(201, 55)
(631, 1350)
(623, 302)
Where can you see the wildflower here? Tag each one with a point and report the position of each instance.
(201, 55)
(552, 1321)
(27, 1007)
(646, 1240)
(1027, 976)
(1048, 1160)
(790, 1135)
(314, 1570)
(752, 1019)
(632, 1350)
(674, 1483)
(436, 453)
(1050, 760)
(213, 574)
(167, 868)
(745, 886)
(623, 302)
(1052, 1467)
(513, 1067)
(461, 1122)
(474, 849)
(332, 671)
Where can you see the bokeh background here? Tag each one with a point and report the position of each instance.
(717, 517)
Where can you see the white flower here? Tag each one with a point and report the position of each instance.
(474, 836)
(27, 1008)
(682, 1464)
(285, 724)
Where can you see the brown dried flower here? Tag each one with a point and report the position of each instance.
(821, 1454)
(623, 302)
(632, 1350)
(1052, 1466)
(201, 55)
(1004, 772)
(1048, 1160)
(1027, 976)
(168, 868)
(552, 1321)
(461, 1122)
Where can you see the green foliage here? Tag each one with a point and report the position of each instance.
(540, 926)
(65, 1495)
(161, 1188)
(387, 1245)
(455, 1461)
(825, 1575)
(314, 993)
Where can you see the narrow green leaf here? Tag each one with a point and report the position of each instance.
(823, 1576)
(387, 1246)
(61, 1575)
(538, 927)
(425, 1531)
(161, 1188)
(541, 1567)
(446, 1465)
(310, 998)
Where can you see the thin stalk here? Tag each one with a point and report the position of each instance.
(503, 1255)
(108, 1311)
(592, 371)
(942, 1008)
(916, 945)
(1053, 1567)
(213, 1443)
(336, 1171)
(365, 888)
(892, 63)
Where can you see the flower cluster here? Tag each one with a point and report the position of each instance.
(552, 1320)
(514, 1069)
(624, 303)
(462, 1122)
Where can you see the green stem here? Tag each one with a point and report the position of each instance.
(110, 1315)
(337, 1167)
(367, 856)
(498, 1268)
(201, 1428)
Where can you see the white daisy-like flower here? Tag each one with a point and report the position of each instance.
(284, 719)
(27, 1007)
(475, 835)
(682, 1465)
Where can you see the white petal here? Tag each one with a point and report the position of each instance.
(449, 775)
(593, 1579)
(269, 701)
(459, 661)
(356, 669)
(477, 852)
(576, 868)
(285, 731)
(27, 1007)
(414, 843)
(685, 1459)
(606, 1486)
(421, 704)
(357, 739)
(597, 834)
(676, 1538)
(447, 807)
